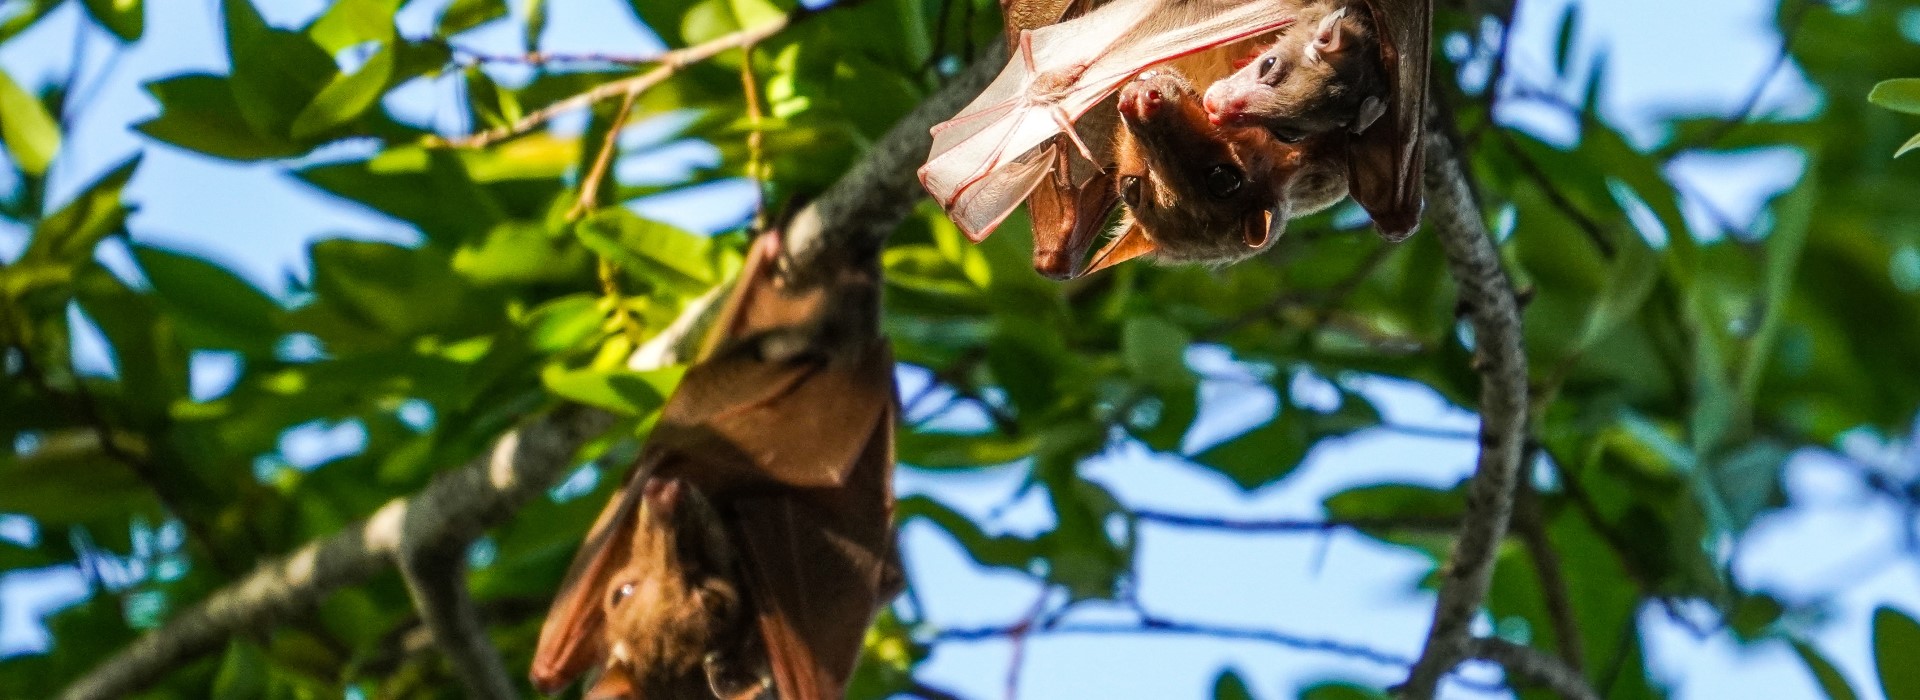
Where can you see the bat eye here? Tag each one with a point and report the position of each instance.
(620, 594)
(1130, 191)
(1223, 181)
(1266, 66)
(1288, 136)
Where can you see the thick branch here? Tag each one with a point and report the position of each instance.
(462, 503)
(457, 505)
(1535, 666)
(1487, 298)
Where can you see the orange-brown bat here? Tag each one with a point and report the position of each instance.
(1200, 192)
(753, 542)
(1017, 133)
(1358, 67)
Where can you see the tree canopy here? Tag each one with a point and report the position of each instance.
(1678, 358)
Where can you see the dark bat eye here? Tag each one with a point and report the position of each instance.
(1288, 136)
(1266, 66)
(1130, 191)
(620, 594)
(1223, 181)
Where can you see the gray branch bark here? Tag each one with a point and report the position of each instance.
(443, 519)
(1534, 666)
(1487, 297)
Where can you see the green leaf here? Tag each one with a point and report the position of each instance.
(125, 18)
(1911, 144)
(245, 673)
(1563, 45)
(1831, 681)
(1900, 95)
(353, 22)
(198, 112)
(32, 135)
(1895, 639)
(1229, 686)
(216, 308)
(68, 236)
(647, 246)
(463, 15)
(1155, 351)
(276, 73)
(930, 450)
(346, 98)
(1340, 691)
(536, 25)
(624, 391)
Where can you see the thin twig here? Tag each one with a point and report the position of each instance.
(1297, 526)
(603, 161)
(436, 578)
(1535, 667)
(1530, 524)
(669, 63)
(1491, 308)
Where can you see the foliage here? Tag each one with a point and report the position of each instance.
(1677, 365)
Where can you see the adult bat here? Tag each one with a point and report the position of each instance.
(992, 155)
(752, 543)
(1197, 192)
(1362, 68)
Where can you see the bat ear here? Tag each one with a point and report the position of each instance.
(571, 638)
(1132, 243)
(1371, 110)
(1328, 37)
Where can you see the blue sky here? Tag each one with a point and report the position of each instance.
(1340, 587)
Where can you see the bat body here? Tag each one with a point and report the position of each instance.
(1361, 68)
(753, 542)
(1003, 145)
(1200, 192)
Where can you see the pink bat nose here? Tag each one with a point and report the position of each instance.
(1224, 110)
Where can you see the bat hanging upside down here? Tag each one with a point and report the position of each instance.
(1013, 140)
(753, 543)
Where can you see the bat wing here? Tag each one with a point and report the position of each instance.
(1385, 163)
(571, 639)
(990, 157)
(819, 561)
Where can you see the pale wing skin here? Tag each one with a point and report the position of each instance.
(986, 160)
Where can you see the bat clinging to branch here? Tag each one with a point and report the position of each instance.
(1361, 67)
(753, 542)
(1197, 192)
(991, 156)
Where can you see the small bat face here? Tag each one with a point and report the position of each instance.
(677, 625)
(1323, 75)
(1200, 193)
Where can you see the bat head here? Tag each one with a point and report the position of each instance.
(676, 619)
(1194, 192)
(1319, 76)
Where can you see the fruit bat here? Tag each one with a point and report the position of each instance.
(1361, 68)
(1007, 142)
(752, 543)
(1199, 192)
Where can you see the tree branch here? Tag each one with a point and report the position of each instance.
(1487, 299)
(1535, 667)
(436, 579)
(462, 503)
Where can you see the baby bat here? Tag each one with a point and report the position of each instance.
(752, 543)
(992, 155)
(1197, 192)
(1361, 68)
